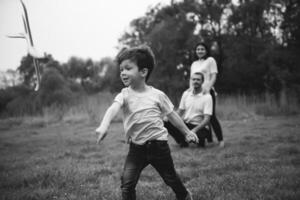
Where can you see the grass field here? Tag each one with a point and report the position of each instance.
(261, 160)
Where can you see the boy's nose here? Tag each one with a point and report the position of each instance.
(123, 75)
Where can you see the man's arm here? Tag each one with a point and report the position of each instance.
(110, 113)
(202, 124)
(180, 112)
(178, 123)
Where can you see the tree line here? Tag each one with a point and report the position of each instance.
(62, 84)
(255, 42)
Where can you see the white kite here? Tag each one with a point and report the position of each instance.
(30, 47)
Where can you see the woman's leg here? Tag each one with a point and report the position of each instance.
(209, 134)
(214, 121)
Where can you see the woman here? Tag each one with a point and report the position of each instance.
(208, 66)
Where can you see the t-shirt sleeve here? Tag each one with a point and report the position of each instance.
(120, 98)
(165, 104)
(208, 105)
(213, 65)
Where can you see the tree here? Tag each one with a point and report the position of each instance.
(54, 88)
(247, 39)
(26, 69)
(77, 69)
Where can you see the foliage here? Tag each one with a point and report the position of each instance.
(11, 93)
(105, 76)
(24, 105)
(21, 100)
(245, 38)
(76, 68)
(26, 69)
(255, 43)
(54, 89)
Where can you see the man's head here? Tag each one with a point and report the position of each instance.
(197, 79)
(142, 56)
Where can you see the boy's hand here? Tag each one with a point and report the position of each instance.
(101, 132)
(165, 119)
(191, 137)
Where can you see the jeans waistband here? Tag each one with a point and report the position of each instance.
(150, 142)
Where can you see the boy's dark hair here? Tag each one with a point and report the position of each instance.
(206, 48)
(141, 55)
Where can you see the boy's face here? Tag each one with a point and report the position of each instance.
(130, 73)
(197, 81)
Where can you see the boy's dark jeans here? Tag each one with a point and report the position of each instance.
(157, 153)
(202, 134)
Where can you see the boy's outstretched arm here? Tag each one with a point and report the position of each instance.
(178, 123)
(110, 113)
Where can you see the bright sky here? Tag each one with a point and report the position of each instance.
(65, 28)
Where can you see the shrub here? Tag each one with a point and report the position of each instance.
(54, 89)
(58, 97)
(24, 105)
(9, 94)
(52, 80)
(75, 87)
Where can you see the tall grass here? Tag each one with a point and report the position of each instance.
(229, 107)
(253, 106)
(90, 109)
(87, 109)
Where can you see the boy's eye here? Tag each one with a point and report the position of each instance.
(125, 68)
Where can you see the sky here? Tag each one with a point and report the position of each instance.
(65, 28)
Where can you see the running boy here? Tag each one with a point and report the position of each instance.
(143, 107)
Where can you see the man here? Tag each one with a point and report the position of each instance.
(195, 109)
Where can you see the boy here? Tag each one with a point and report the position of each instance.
(143, 107)
(195, 108)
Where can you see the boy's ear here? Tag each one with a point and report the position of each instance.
(144, 72)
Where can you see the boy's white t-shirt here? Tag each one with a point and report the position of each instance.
(195, 106)
(206, 67)
(142, 114)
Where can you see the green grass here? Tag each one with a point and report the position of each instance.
(261, 160)
(54, 156)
